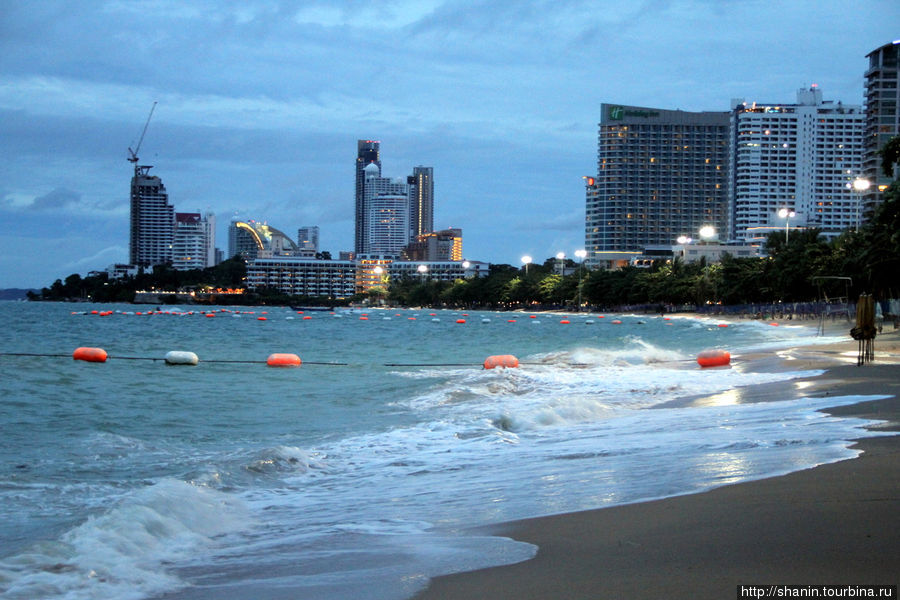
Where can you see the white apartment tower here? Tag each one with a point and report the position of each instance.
(801, 157)
(194, 241)
(387, 213)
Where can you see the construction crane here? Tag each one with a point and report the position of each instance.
(132, 154)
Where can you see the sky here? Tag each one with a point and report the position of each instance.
(260, 105)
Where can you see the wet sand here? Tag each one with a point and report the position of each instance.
(833, 524)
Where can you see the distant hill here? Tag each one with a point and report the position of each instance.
(16, 293)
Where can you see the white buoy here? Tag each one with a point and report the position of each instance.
(181, 357)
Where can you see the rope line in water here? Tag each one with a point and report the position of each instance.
(160, 358)
(305, 362)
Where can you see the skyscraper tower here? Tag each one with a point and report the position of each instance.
(368, 152)
(152, 220)
(882, 114)
(421, 201)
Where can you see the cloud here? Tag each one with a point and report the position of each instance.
(55, 200)
(98, 260)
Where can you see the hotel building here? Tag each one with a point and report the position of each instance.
(661, 174)
(798, 158)
(343, 278)
(303, 276)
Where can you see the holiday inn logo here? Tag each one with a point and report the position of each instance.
(617, 113)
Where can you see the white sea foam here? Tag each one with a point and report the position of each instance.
(120, 553)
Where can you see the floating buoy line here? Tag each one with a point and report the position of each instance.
(706, 358)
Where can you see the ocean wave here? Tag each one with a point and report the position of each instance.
(283, 459)
(121, 553)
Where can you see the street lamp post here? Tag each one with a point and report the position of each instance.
(860, 184)
(786, 214)
(561, 256)
(580, 254)
(526, 260)
(423, 269)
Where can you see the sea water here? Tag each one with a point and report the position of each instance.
(132, 479)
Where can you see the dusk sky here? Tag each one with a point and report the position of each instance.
(260, 105)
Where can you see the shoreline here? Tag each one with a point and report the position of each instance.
(834, 523)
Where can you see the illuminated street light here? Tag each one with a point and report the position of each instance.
(786, 214)
(561, 256)
(860, 185)
(580, 254)
(707, 232)
(526, 260)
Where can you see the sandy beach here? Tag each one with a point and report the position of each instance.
(833, 524)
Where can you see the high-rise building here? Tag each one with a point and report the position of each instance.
(882, 115)
(191, 245)
(661, 174)
(421, 201)
(152, 220)
(387, 213)
(793, 165)
(308, 237)
(367, 153)
(212, 255)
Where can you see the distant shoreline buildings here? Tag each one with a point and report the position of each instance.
(665, 180)
(394, 237)
(668, 178)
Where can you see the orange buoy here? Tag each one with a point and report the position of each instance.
(364, 318)
(460, 320)
(510, 320)
(617, 322)
(773, 324)
(723, 324)
(261, 319)
(714, 358)
(90, 354)
(210, 315)
(506, 361)
(307, 318)
(565, 322)
(283, 360)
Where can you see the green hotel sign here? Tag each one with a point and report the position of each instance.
(617, 113)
